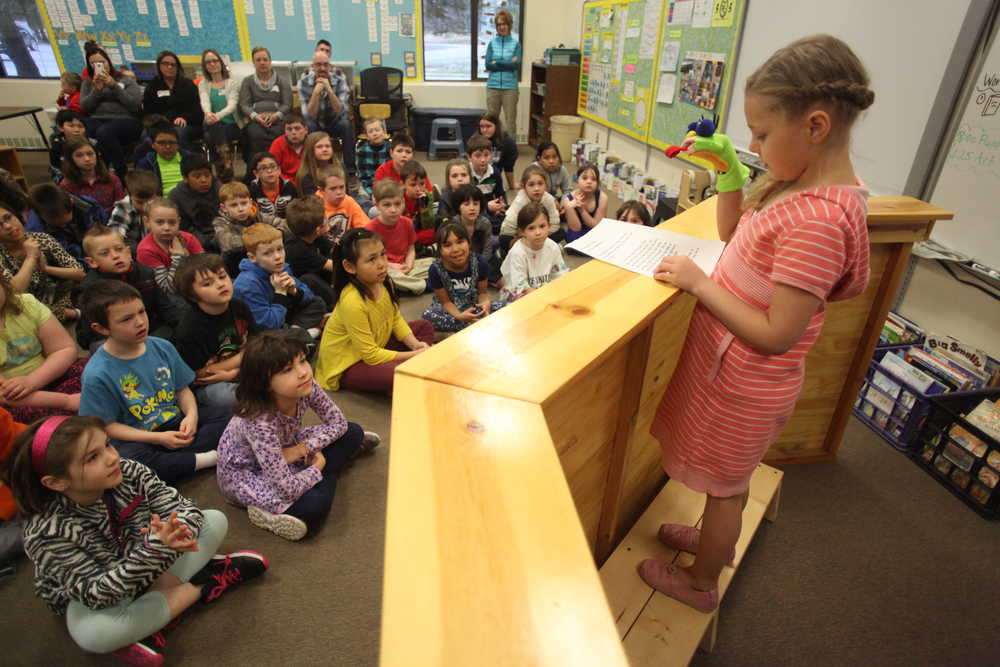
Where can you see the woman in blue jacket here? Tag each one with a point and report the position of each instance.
(503, 62)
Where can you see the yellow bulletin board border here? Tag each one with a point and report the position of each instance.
(642, 133)
(44, 14)
(724, 96)
(645, 134)
(418, 28)
(242, 29)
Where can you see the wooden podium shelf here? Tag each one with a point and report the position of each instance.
(521, 452)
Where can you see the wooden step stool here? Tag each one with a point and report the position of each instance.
(656, 629)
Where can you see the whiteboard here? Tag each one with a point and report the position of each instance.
(969, 182)
(904, 44)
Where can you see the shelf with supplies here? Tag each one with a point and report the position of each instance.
(553, 93)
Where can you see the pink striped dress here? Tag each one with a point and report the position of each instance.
(727, 402)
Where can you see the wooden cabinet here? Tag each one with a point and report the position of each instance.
(10, 162)
(554, 90)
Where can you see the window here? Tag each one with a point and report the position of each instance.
(456, 34)
(25, 51)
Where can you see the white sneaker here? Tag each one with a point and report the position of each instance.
(283, 525)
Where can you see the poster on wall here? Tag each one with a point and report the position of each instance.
(700, 78)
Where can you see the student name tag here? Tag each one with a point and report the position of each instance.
(163, 93)
(275, 89)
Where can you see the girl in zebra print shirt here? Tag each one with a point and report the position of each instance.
(116, 551)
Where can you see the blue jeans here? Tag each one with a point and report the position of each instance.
(173, 465)
(218, 396)
(221, 133)
(112, 628)
(313, 505)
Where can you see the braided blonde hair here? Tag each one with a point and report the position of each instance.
(819, 70)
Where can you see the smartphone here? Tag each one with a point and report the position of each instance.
(98, 68)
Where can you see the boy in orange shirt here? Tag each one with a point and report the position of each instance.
(287, 149)
(341, 211)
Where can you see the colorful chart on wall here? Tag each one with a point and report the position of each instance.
(648, 69)
(139, 29)
(617, 60)
(371, 32)
(695, 65)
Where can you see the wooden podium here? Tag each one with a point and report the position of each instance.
(521, 453)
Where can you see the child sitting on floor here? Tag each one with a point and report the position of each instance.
(310, 247)
(397, 233)
(533, 190)
(341, 210)
(165, 245)
(117, 551)
(69, 125)
(109, 257)
(371, 152)
(268, 286)
(457, 173)
(55, 213)
(487, 178)
(466, 201)
(458, 279)
(197, 199)
(635, 212)
(366, 337)
(213, 330)
(534, 260)
(283, 473)
(39, 365)
(269, 190)
(586, 206)
(85, 175)
(420, 201)
(141, 387)
(237, 211)
(165, 158)
(126, 217)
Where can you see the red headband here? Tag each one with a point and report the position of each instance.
(40, 443)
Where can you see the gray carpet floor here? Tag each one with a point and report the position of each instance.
(870, 562)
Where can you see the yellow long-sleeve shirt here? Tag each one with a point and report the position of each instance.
(358, 330)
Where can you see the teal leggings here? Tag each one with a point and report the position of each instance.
(109, 629)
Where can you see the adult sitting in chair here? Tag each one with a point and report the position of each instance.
(265, 98)
(112, 99)
(325, 100)
(174, 96)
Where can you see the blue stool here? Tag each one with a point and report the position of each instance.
(452, 141)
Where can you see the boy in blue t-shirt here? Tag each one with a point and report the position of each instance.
(141, 387)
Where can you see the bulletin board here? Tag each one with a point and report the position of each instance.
(375, 33)
(649, 68)
(617, 58)
(139, 29)
(696, 66)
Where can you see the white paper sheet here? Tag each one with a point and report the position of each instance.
(269, 20)
(671, 53)
(324, 15)
(667, 88)
(702, 16)
(109, 11)
(650, 29)
(194, 9)
(683, 9)
(289, 7)
(640, 249)
(161, 14)
(248, 7)
(141, 7)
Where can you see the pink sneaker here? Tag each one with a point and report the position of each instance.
(666, 579)
(146, 652)
(683, 538)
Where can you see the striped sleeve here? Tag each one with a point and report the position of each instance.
(65, 570)
(811, 252)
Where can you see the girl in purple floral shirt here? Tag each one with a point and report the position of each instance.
(283, 473)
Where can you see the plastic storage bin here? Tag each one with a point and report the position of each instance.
(961, 456)
(565, 131)
(894, 408)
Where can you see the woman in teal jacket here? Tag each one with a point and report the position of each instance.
(503, 62)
